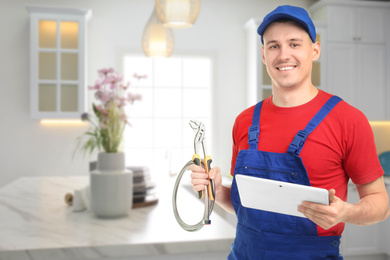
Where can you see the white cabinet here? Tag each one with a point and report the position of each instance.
(360, 240)
(357, 67)
(365, 242)
(57, 61)
(356, 73)
(386, 230)
(356, 24)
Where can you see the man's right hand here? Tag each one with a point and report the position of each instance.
(200, 179)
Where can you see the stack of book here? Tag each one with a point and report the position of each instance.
(144, 189)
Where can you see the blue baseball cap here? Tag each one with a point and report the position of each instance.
(288, 12)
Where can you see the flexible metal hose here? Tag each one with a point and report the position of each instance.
(208, 204)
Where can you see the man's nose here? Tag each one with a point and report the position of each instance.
(284, 53)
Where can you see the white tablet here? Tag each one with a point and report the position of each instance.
(277, 196)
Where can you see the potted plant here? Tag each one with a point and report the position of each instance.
(110, 183)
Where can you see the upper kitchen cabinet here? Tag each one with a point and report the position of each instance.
(356, 48)
(356, 23)
(58, 61)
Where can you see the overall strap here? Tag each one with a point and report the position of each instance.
(254, 130)
(296, 145)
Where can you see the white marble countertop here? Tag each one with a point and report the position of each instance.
(35, 223)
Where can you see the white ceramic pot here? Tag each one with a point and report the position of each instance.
(111, 186)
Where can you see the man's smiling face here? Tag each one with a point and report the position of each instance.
(288, 53)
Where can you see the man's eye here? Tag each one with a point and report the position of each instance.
(294, 45)
(273, 47)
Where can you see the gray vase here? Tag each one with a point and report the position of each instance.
(111, 186)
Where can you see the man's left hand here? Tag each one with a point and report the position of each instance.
(323, 215)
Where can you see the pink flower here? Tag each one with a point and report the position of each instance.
(103, 95)
(122, 101)
(133, 97)
(97, 86)
(113, 80)
(138, 77)
(104, 72)
(101, 109)
(125, 86)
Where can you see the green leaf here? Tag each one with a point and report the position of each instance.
(95, 110)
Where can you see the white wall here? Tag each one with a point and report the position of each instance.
(28, 148)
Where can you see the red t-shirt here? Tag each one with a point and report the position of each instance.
(341, 147)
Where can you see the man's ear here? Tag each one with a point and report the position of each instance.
(316, 51)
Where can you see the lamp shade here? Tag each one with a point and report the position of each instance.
(157, 40)
(177, 13)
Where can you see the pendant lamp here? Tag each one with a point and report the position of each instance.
(157, 40)
(177, 13)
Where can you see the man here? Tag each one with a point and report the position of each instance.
(336, 146)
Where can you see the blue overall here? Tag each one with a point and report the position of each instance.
(267, 235)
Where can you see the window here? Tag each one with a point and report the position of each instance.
(176, 90)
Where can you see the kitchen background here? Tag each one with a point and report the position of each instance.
(29, 148)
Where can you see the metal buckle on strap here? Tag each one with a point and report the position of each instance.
(253, 134)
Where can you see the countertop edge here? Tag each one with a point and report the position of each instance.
(126, 250)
